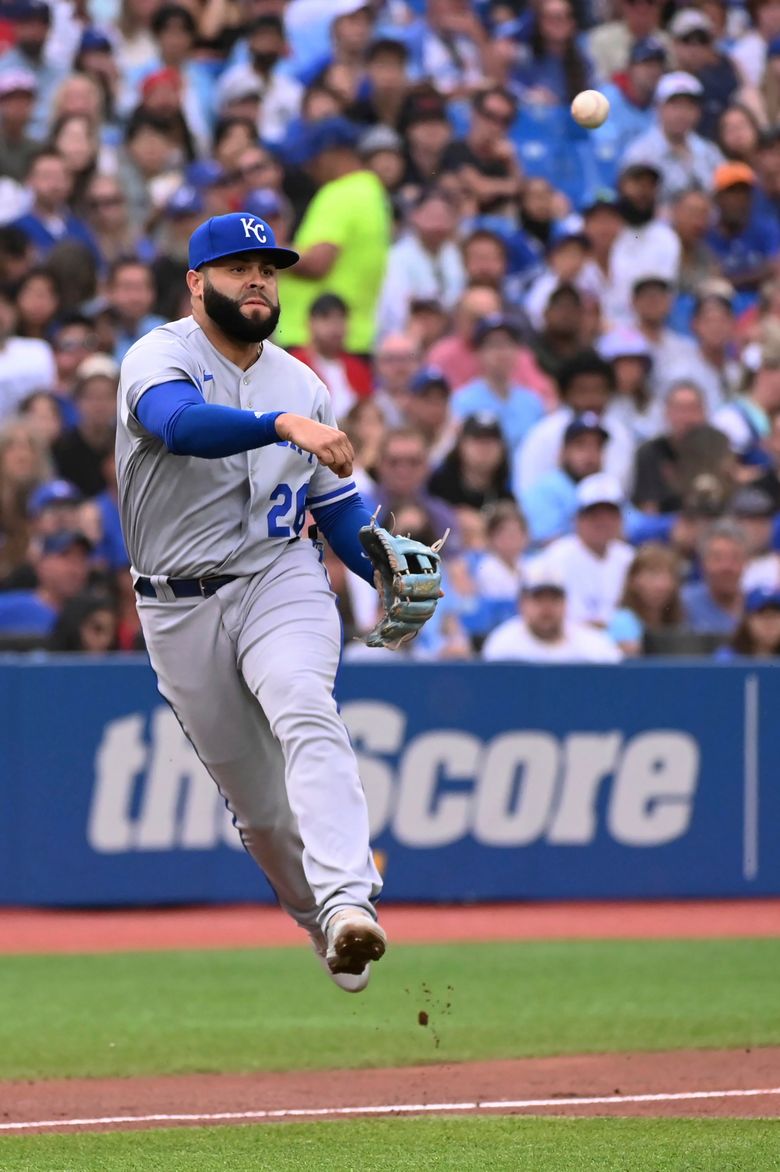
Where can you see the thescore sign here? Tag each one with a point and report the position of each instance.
(515, 788)
(483, 782)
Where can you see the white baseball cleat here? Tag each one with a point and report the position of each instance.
(353, 939)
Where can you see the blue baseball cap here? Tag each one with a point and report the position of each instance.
(186, 201)
(427, 377)
(761, 598)
(324, 135)
(648, 49)
(263, 202)
(95, 41)
(235, 233)
(204, 173)
(64, 540)
(54, 492)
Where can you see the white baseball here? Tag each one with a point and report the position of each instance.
(590, 109)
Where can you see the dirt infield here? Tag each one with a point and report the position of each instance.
(247, 926)
(744, 1083)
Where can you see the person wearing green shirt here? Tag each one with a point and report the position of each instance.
(343, 239)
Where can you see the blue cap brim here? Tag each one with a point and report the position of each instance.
(282, 258)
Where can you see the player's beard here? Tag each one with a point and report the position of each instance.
(226, 313)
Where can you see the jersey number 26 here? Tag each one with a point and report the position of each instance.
(279, 515)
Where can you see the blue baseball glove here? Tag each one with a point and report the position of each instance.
(407, 575)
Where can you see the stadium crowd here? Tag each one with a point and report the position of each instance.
(561, 345)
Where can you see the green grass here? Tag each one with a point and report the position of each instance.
(143, 1013)
(450, 1145)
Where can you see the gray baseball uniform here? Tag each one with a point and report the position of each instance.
(250, 670)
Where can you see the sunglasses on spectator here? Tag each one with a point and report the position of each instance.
(696, 38)
(647, 3)
(107, 201)
(412, 461)
(253, 168)
(497, 118)
(71, 345)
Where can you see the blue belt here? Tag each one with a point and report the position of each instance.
(185, 587)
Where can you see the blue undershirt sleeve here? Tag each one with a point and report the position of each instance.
(177, 414)
(339, 524)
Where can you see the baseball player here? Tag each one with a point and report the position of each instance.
(224, 441)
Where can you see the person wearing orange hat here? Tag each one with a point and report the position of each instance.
(745, 241)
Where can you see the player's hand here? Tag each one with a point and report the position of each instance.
(331, 446)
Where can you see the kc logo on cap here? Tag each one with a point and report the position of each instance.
(233, 234)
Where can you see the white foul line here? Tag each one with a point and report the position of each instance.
(389, 1109)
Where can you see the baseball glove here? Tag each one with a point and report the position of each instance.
(407, 575)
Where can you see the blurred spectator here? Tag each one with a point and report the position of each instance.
(428, 132)
(54, 506)
(630, 356)
(484, 162)
(428, 323)
(695, 52)
(758, 634)
(26, 364)
(76, 139)
(745, 242)
(346, 376)
(402, 472)
(95, 60)
(658, 487)
(610, 44)
(50, 218)
(476, 471)
(24, 464)
(130, 292)
(428, 409)
(17, 146)
(550, 504)
(645, 245)
(343, 239)
(100, 521)
(568, 263)
(16, 255)
(587, 384)
(553, 70)
(750, 51)
(715, 369)
(499, 572)
(543, 632)
(42, 411)
(486, 259)
(684, 158)
(31, 22)
(73, 339)
(593, 560)
(424, 263)
(396, 360)
(62, 568)
(384, 92)
(79, 452)
(746, 420)
(691, 218)
(753, 508)
(382, 150)
(365, 426)
(560, 338)
(108, 218)
(672, 353)
(651, 598)
(456, 354)
(88, 623)
(150, 167)
(451, 46)
(516, 408)
(714, 605)
(281, 94)
(631, 91)
(739, 134)
(37, 302)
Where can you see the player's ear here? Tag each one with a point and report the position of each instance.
(195, 282)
